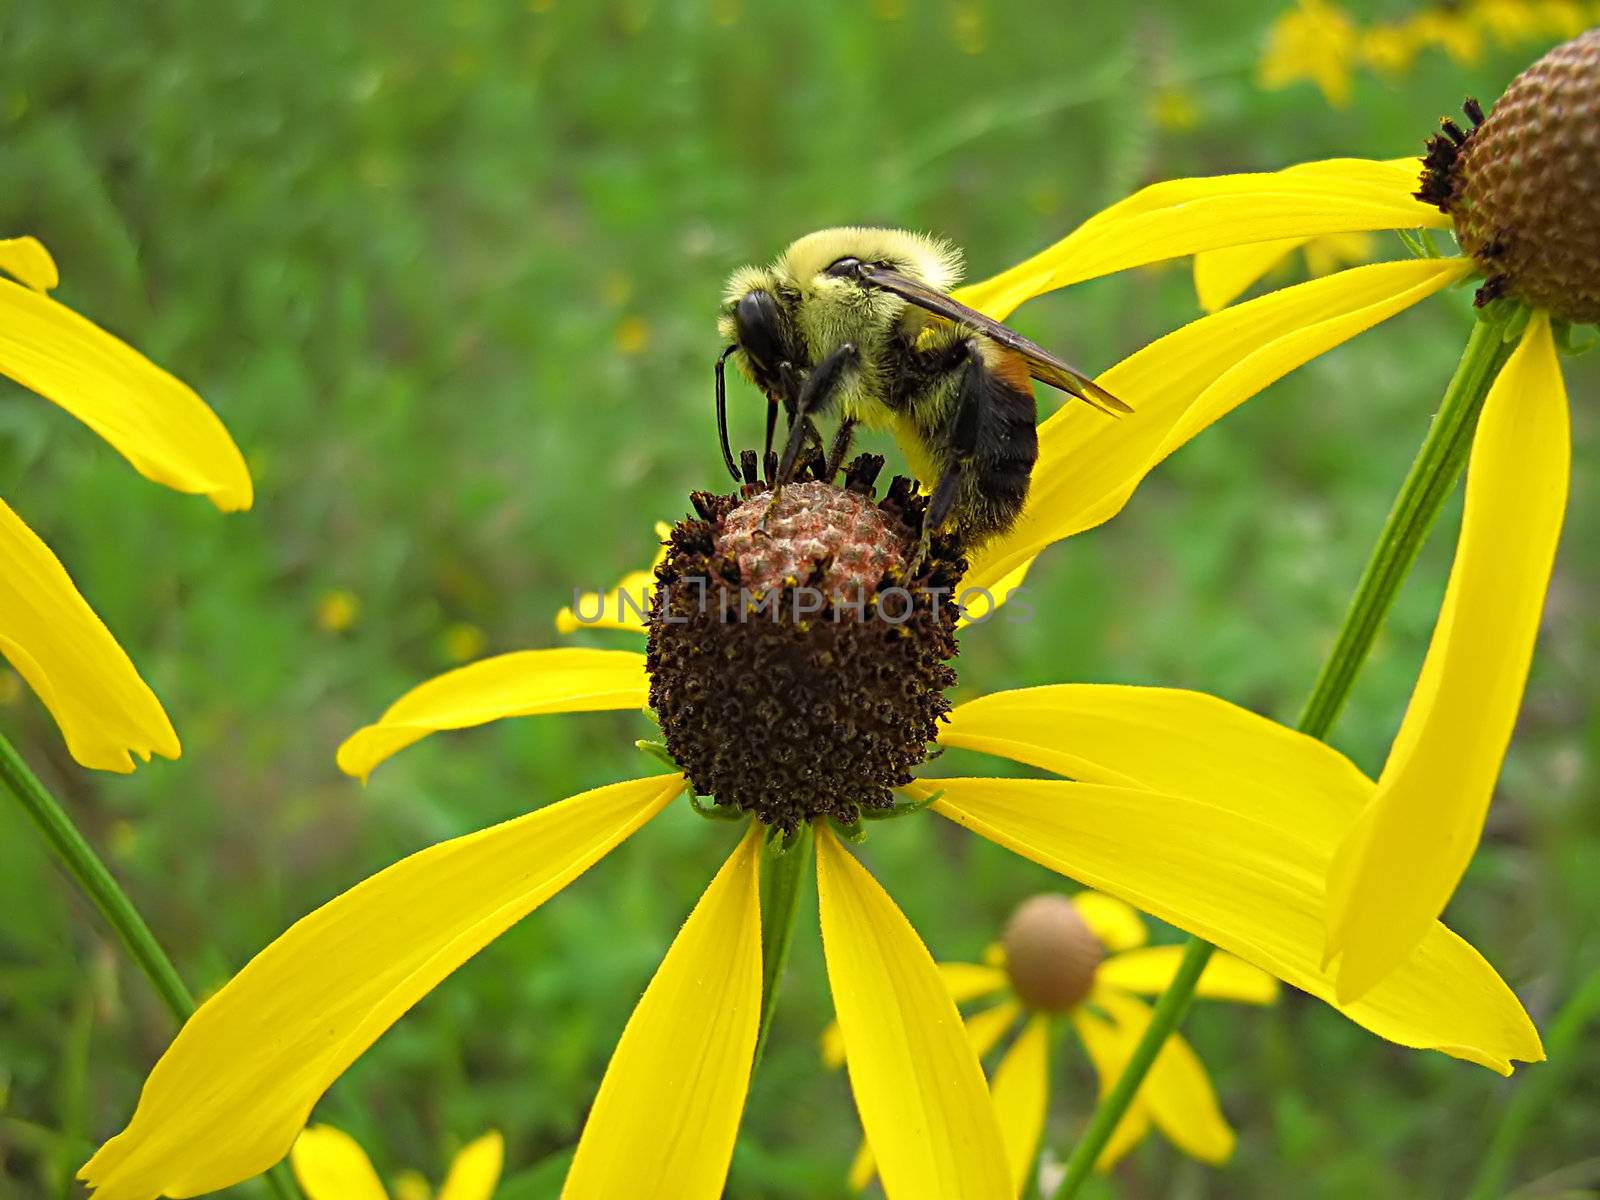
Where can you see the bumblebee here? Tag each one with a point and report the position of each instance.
(858, 321)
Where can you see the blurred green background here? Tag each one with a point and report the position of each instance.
(448, 271)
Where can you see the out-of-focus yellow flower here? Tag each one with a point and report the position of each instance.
(48, 632)
(461, 642)
(1313, 40)
(1322, 43)
(632, 335)
(1174, 108)
(1083, 961)
(969, 26)
(1452, 30)
(1222, 276)
(330, 1165)
(338, 611)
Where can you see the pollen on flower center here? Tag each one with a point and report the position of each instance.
(798, 663)
(1051, 953)
(1523, 186)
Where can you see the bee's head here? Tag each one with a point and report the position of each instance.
(825, 266)
(814, 296)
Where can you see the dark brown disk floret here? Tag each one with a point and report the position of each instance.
(798, 661)
(1523, 186)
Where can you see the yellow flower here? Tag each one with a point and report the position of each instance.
(1397, 867)
(331, 1166)
(48, 632)
(1175, 792)
(1083, 961)
(1324, 44)
(1313, 40)
(1211, 818)
(338, 611)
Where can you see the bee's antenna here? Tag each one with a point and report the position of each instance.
(722, 416)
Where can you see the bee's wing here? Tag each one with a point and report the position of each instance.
(1042, 365)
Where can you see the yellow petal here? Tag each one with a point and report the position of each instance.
(626, 606)
(1177, 1092)
(1187, 216)
(668, 1111)
(52, 637)
(1225, 977)
(525, 683)
(1118, 926)
(1089, 464)
(984, 1031)
(1252, 885)
(1401, 862)
(1021, 1094)
(331, 1166)
(476, 1169)
(964, 981)
(27, 261)
(1222, 276)
(968, 981)
(233, 1090)
(151, 418)
(917, 1083)
(1167, 740)
(862, 1169)
(1110, 1047)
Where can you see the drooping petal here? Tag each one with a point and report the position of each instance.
(1109, 1048)
(1090, 464)
(476, 1169)
(668, 1111)
(984, 1031)
(1021, 1093)
(330, 1165)
(151, 418)
(1181, 217)
(1177, 1091)
(964, 981)
(27, 261)
(625, 606)
(1118, 926)
(524, 683)
(1150, 972)
(1251, 885)
(1168, 740)
(917, 1084)
(1402, 860)
(48, 632)
(233, 1090)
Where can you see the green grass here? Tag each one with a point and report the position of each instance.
(395, 252)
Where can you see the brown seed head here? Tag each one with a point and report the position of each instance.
(796, 668)
(1524, 188)
(1051, 953)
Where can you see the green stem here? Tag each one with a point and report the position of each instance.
(1430, 481)
(91, 874)
(1432, 476)
(783, 879)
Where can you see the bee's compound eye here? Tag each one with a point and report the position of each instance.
(846, 267)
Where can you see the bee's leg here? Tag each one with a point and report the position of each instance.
(841, 447)
(815, 395)
(938, 510)
(772, 428)
(963, 445)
